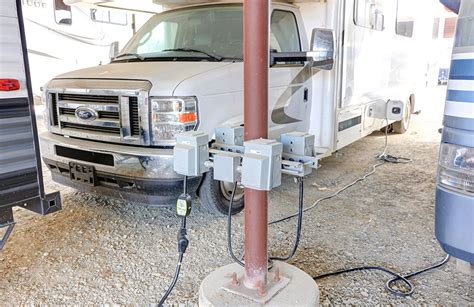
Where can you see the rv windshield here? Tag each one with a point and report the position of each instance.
(210, 33)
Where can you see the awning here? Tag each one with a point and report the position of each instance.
(453, 5)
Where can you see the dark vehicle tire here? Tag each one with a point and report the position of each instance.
(402, 126)
(215, 196)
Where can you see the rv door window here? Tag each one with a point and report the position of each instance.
(405, 20)
(109, 16)
(369, 14)
(62, 13)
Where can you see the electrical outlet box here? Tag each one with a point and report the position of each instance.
(391, 110)
(395, 110)
(190, 153)
(298, 143)
(230, 135)
(226, 166)
(261, 164)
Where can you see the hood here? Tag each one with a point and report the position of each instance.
(164, 76)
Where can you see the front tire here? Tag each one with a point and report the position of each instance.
(215, 196)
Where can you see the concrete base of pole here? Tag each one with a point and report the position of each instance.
(301, 290)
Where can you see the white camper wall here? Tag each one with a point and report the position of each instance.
(322, 122)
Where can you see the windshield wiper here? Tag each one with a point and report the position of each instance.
(137, 56)
(211, 55)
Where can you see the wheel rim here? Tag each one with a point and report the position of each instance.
(406, 118)
(226, 190)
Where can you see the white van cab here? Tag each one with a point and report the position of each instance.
(111, 128)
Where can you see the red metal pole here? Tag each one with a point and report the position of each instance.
(256, 126)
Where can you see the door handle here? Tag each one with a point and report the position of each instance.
(305, 94)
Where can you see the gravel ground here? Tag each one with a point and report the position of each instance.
(98, 250)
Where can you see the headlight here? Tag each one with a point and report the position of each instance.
(456, 167)
(170, 116)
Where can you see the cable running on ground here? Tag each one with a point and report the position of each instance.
(390, 283)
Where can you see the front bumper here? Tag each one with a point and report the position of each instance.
(138, 174)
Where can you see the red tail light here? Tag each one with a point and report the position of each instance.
(9, 85)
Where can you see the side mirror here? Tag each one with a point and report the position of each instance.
(114, 50)
(320, 56)
(322, 49)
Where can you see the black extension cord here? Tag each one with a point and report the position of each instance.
(389, 285)
(298, 227)
(183, 243)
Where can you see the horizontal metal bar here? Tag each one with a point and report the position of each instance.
(301, 57)
(112, 123)
(95, 91)
(68, 104)
(95, 135)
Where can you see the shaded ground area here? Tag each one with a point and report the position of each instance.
(98, 250)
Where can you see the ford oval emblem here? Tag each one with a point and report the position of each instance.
(85, 113)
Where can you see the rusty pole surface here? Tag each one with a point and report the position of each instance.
(256, 14)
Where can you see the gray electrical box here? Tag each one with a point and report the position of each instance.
(298, 143)
(230, 135)
(190, 153)
(261, 164)
(391, 110)
(298, 153)
(226, 166)
(229, 138)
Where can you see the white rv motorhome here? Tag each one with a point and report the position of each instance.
(65, 37)
(112, 128)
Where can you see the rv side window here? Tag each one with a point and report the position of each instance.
(369, 14)
(109, 16)
(405, 21)
(435, 34)
(62, 13)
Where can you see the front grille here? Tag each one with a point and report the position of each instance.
(116, 117)
(88, 98)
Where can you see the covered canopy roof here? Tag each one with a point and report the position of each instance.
(155, 6)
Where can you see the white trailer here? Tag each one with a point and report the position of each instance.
(21, 178)
(63, 37)
(111, 128)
